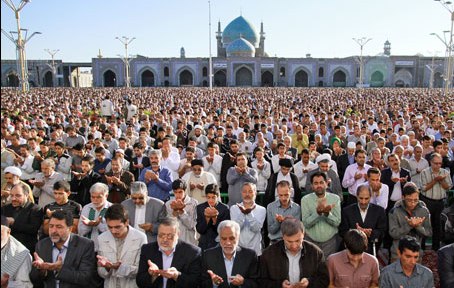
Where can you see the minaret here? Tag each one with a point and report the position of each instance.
(262, 41)
(387, 48)
(182, 53)
(99, 54)
(221, 53)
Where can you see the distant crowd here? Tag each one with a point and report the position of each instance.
(229, 187)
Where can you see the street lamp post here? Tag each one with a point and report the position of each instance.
(52, 54)
(126, 41)
(449, 45)
(210, 61)
(20, 42)
(361, 42)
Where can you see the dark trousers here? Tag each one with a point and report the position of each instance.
(435, 207)
(387, 239)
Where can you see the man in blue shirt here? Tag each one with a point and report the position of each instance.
(157, 178)
(407, 272)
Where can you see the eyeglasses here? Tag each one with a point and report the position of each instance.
(167, 236)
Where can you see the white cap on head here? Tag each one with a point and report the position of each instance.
(13, 170)
(351, 145)
(323, 157)
(120, 151)
(198, 127)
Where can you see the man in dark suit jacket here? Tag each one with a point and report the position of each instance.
(82, 182)
(209, 215)
(244, 271)
(140, 161)
(23, 216)
(63, 257)
(274, 262)
(346, 159)
(119, 181)
(270, 193)
(392, 175)
(168, 260)
(374, 224)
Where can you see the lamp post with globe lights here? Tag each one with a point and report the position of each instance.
(20, 42)
(448, 5)
(126, 41)
(52, 54)
(361, 42)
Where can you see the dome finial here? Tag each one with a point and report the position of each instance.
(241, 11)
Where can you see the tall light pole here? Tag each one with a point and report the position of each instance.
(52, 54)
(20, 42)
(449, 45)
(126, 41)
(361, 42)
(210, 61)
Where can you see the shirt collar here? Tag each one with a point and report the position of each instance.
(345, 257)
(163, 252)
(399, 269)
(65, 245)
(233, 257)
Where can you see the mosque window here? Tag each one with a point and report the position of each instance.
(321, 72)
(204, 72)
(166, 71)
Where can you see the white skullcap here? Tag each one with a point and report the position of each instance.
(323, 157)
(13, 170)
(351, 145)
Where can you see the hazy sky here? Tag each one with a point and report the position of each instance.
(293, 27)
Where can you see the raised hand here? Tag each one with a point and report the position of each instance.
(216, 279)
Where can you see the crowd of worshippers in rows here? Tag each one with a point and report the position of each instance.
(167, 200)
(145, 242)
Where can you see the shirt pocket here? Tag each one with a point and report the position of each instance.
(343, 281)
(364, 281)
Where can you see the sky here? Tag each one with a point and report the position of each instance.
(294, 28)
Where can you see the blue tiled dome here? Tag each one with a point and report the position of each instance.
(240, 47)
(240, 26)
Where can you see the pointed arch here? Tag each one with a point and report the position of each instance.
(48, 79)
(110, 78)
(220, 78)
(147, 78)
(339, 78)
(243, 76)
(301, 78)
(267, 79)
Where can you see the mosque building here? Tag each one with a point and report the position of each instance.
(242, 60)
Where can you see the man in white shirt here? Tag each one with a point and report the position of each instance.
(92, 222)
(281, 155)
(119, 249)
(197, 180)
(107, 107)
(250, 217)
(355, 174)
(16, 260)
(303, 167)
(132, 110)
(212, 162)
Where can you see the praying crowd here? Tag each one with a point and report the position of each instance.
(229, 187)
